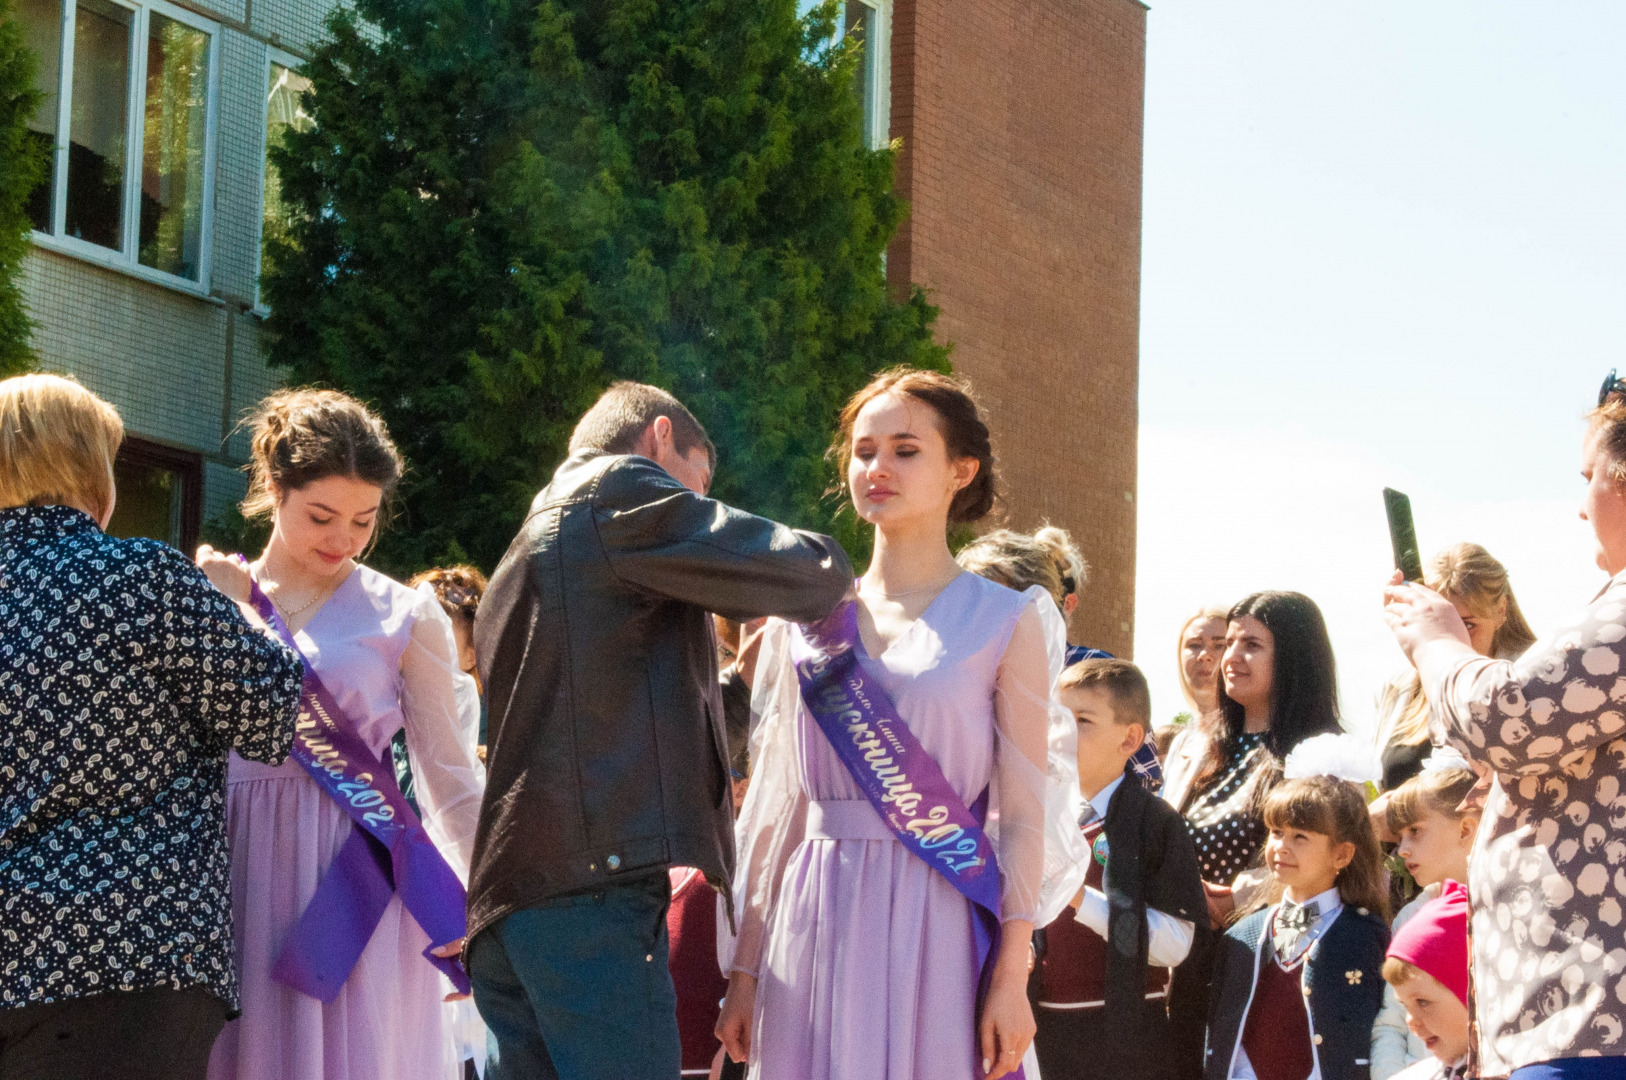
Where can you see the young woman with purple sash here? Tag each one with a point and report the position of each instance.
(892, 847)
(348, 908)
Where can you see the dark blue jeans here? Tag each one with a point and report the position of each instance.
(1587, 1068)
(578, 988)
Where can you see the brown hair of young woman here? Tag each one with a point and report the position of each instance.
(1334, 808)
(459, 589)
(303, 435)
(958, 419)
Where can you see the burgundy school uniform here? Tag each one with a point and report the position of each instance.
(1095, 1022)
(691, 924)
(1277, 1032)
(1073, 974)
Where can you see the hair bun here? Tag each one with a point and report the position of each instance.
(303, 435)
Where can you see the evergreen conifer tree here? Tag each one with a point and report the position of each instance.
(22, 166)
(505, 204)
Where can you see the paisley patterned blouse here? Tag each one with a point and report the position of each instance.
(1548, 870)
(124, 679)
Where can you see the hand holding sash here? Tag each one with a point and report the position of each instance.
(387, 852)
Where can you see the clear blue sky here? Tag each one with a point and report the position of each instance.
(1385, 242)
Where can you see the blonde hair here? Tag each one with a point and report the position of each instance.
(1398, 972)
(1609, 421)
(1439, 791)
(1070, 564)
(57, 444)
(1469, 575)
(1202, 614)
(1015, 560)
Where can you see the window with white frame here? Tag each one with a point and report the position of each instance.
(869, 22)
(129, 114)
(283, 113)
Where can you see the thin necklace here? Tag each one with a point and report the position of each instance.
(284, 612)
(939, 586)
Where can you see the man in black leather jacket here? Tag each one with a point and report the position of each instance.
(607, 758)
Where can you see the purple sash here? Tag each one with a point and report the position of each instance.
(387, 852)
(900, 779)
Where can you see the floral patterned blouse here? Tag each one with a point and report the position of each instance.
(124, 679)
(1548, 870)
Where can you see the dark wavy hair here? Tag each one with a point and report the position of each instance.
(1303, 693)
(1303, 676)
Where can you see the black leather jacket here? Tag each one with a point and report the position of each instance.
(606, 753)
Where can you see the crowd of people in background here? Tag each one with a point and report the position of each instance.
(674, 793)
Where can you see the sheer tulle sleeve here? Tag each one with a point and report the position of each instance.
(1066, 853)
(1016, 813)
(773, 820)
(441, 706)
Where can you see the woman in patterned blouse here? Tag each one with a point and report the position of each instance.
(1277, 686)
(125, 678)
(1548, 871)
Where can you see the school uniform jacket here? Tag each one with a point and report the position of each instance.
(1342, 978)
(1150, 861)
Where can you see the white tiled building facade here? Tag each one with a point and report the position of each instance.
(143, 277)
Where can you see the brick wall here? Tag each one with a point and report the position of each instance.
(1021, 128)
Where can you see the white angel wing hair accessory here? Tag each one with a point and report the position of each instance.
(1341, 756)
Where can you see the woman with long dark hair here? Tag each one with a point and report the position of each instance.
(1277, 686)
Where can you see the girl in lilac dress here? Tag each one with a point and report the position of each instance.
(854, 958)
(322, 467)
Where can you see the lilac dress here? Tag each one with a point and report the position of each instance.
(387, 654)
(864, 955)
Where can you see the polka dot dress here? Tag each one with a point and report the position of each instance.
(1227, 833)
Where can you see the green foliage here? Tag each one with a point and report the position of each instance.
(505, 204)
(22, 166)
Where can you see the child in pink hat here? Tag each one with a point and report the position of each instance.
(1428, 967)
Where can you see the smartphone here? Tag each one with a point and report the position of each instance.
(1402, 535)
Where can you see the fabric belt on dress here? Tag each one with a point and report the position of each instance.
(846, 819)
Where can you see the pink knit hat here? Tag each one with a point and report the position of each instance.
(1435, 939)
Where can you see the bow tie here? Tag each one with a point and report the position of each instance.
(1294, 923)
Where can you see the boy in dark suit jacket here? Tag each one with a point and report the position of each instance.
(1101, 987)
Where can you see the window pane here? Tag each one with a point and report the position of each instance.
(42, 31)
(101, 80)
(172, 145)
(149, 502)
(282, 114)
(860, 23)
